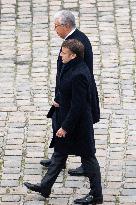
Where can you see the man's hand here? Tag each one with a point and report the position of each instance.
(61, 133)
(55, 104)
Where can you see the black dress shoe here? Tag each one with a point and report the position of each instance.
(36, 188)
(33, 187)
(47, 162)
(77, 172)
(89, 199)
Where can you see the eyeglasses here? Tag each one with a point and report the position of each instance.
(55, 26)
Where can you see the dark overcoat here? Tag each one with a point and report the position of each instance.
(75, 115)
(88, 58)
(88, 54)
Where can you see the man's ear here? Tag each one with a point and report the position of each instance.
(74, 55)
(68, 28)
(67, 25)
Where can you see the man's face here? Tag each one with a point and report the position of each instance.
(60, 29)
(67, 55)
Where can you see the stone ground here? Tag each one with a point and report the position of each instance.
(28, 53)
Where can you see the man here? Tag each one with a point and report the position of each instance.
(75, 134)
(65, 28)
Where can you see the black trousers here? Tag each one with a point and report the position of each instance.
(90, 166)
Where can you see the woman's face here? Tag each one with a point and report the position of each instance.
(67, 55)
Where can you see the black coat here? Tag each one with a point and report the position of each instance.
(75, 114)
(88, 58)
(88, 54)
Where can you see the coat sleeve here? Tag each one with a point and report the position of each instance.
(78, 102)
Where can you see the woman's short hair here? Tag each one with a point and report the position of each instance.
(65, 17)
(75, 46)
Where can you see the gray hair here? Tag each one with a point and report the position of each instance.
(65, 17)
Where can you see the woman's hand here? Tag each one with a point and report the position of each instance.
(61, 133)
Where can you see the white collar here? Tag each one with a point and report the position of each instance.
(70, 33)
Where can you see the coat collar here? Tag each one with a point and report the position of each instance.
(71, 32)
(70, 65)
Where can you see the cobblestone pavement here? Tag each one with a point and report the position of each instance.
(28, 53)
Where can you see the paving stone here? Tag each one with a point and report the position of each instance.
(32, 178)
(9, 183)
(71, 184)
(58, 201)
(131, 185)
(34, 202)
(11, 170)
(127, 199)
(32, 171)
(11, 198)
(13, 152)
(131, 172)
(10, 203)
